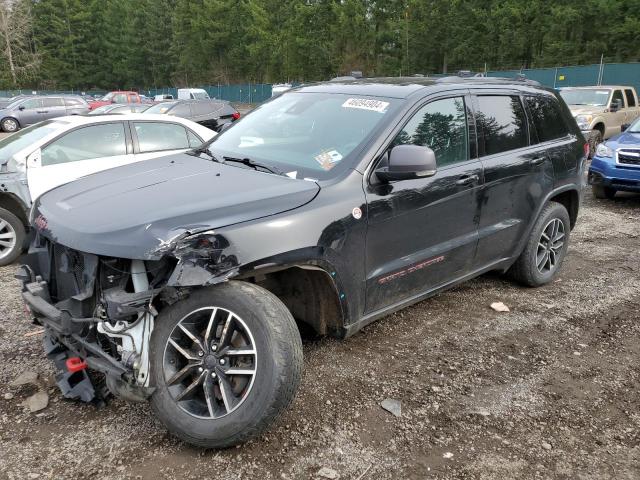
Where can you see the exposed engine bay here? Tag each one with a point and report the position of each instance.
(101, 309)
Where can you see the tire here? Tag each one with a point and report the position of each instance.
(209, 421)
(526, 270)
(10, 125)
(12, 237)
(594, 139)
(603, 192)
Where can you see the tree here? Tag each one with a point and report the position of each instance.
(16, 39)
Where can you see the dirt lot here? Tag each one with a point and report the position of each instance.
(549, 390)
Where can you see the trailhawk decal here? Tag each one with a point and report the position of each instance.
(413, 268)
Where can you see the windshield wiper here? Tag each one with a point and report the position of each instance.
(204, 148)
(255, 165)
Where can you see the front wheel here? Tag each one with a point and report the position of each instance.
(9, 125)
(542, 257)
(225, 361)
(12, 237)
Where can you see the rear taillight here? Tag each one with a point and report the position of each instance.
(236, 115)
(586, 150)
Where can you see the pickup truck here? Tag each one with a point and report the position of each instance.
(602, 111)
(116, 97)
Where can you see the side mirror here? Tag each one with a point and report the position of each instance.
(615, 105)
(624, 126)
(408, 162)
(34, 159)
(21, 107)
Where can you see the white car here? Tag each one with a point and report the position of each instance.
(51, 153)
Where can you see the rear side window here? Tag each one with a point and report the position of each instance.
(156, 136)
(631, 100)
(502, 124)
(96, 141)
(53, 102)
(442, 126)
(194, 140)
(73, 102)
(547, 118)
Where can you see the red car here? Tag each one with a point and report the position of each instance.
(116, 97)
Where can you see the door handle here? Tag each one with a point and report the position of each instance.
(42, 111)
(467, 179)
(538, 160)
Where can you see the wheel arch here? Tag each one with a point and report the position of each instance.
(599, 125)
(10, 202)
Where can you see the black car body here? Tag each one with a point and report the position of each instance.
(213, 114)
(412, 186)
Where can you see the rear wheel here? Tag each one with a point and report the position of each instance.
(542, 257)
(226, 361)
(595, 139)
(603, 192)
(9, 125)
(12, 236)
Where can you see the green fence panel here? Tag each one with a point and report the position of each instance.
(622, 74)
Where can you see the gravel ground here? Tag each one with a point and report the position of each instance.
(549, 390)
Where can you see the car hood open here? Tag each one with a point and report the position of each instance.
(134, 210)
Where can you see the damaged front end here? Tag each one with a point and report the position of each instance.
(102, 309)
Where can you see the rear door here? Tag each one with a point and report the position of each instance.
(77, 153)
(518, 173)
(633, 109)
(157, 139)
(54, 107)
(422, 233)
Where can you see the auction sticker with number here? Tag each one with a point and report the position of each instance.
(366, 104)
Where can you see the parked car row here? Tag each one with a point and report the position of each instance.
(43, 156)
(28, 110)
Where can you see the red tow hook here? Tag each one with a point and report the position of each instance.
(75, 364)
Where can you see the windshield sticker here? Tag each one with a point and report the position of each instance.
(366, 104)
(328, 159)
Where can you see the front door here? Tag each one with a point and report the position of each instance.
(422, 233)
(617, 118)
(76, 154)
(31, 111)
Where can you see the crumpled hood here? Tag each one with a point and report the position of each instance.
(134, 210)
(585, 110)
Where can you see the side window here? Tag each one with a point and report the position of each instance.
(181, 110)
(96, 141)
(502, 124)
(119, 98)
(32, 103)
(617, 95)
(631, 100)
(156, 136)
(52, 102)
(547, 118)
(73, 102)
(194, 140)
(442, 126)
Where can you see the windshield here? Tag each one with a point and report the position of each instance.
(584, 96)
(199, 95)
(307, 135)
(634, 127)
(160, 107)
(107, 97)
(12, 144)
(102, 109)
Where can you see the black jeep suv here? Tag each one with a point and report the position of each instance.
(184, 279)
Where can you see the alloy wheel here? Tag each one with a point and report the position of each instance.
(9, 125)
(7, 238)
(210, 362)
(550, 246)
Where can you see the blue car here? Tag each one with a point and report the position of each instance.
(616, 164)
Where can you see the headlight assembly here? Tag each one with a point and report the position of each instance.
(602, 150)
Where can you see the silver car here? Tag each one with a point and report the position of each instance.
(26, 111)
